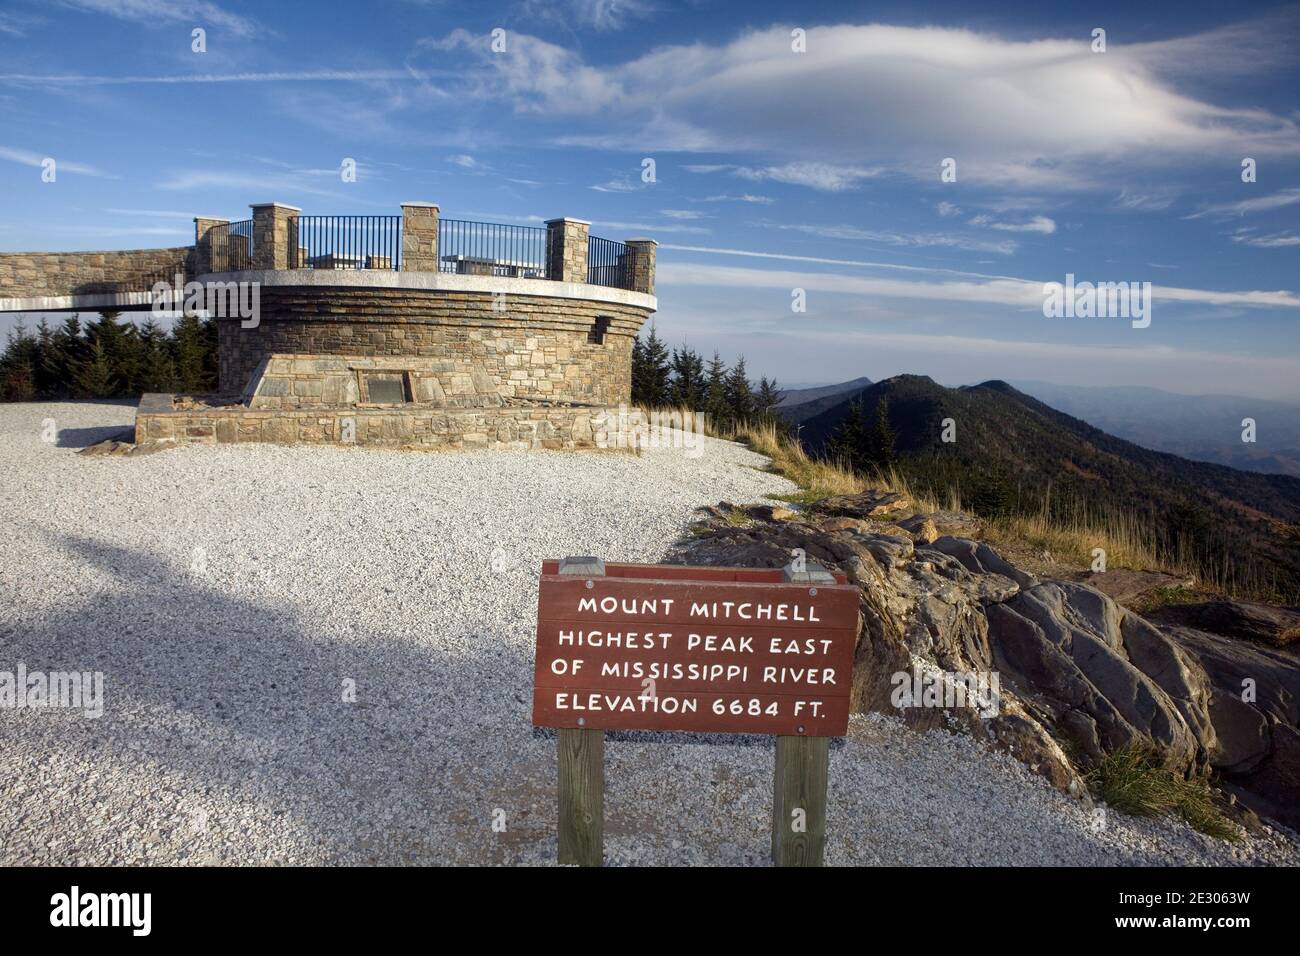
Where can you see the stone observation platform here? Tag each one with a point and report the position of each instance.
(396, 330)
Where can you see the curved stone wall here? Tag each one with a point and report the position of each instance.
(61, 281)
(553, 348)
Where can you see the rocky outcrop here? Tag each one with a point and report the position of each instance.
(1273, 626)
(1074, 674)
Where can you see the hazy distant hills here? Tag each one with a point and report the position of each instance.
(1019, 446)
(1203, 427)
(798, 404)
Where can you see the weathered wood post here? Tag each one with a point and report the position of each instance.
(802, 765)
(581, 755)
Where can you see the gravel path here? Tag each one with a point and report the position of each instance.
(229, 595)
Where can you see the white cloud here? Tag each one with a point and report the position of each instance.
(908, 240)
(1041, 224)
(1016, 293)
(153, 12)
(681, 214)
(947, 209)
(1026, 113)
(1267, 203)
(463, 160)
(743, 197)
(28, 158)
(1279, 240)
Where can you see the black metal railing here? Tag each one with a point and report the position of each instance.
(232, 246)
(345, 242)
(491, 249)
(607, 263)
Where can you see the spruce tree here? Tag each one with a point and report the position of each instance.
(848, 442)
(688, 384)
(157, 370)
(715, 393)
(190, 350)
(656, 371)
(94, 376)
(739, 394)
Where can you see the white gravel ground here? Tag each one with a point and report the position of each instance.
(227, 594)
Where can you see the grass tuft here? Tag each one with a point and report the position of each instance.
(1131, 782)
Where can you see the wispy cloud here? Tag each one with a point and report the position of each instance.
(1015, 293)
(743, 197)
(28, 158)
(1242, 207)
(1277, 240)
(827, 177)
(155, 12)
(1039, 224)
(904, 239)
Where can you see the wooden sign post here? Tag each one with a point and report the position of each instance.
(675, 648)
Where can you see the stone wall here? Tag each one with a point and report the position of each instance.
(538, 348)
(26, 275)
(159, 420)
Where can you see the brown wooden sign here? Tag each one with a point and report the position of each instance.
(667, 647)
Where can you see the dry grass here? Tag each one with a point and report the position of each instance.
(1126, 544)
(815, 477)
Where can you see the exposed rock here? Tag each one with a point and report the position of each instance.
(978, 557)
(1274, 626)
(846, 524)
(1075, 668)
(921, 527)
(770, 513)
(867, 504)
(1127, 586)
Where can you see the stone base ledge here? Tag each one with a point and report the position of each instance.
(160, 421)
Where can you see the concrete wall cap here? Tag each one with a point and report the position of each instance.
(641, 239)
(581, 222)
(278, 205)
(211, 219)
(434, 282)
(421, 205)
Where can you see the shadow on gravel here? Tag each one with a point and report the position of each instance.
(85, 437)
(241, 699)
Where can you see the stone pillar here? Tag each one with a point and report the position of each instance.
(640, 265)
(209, 247)
(566, 249)
(273, 240)
(419, 237)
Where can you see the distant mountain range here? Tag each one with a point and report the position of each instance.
(1201, 427)
(799, 404)
(1013, 448)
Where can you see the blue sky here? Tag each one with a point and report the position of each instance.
(774, 169)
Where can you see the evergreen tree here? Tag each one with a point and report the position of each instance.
(848, 443)
(655, 372)
(739, 394)
(767, 399)
(715, 393)
(157, 370)
(94, 376)
(689, 384)
(190, 344)
(18, 365)
(882, 452)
